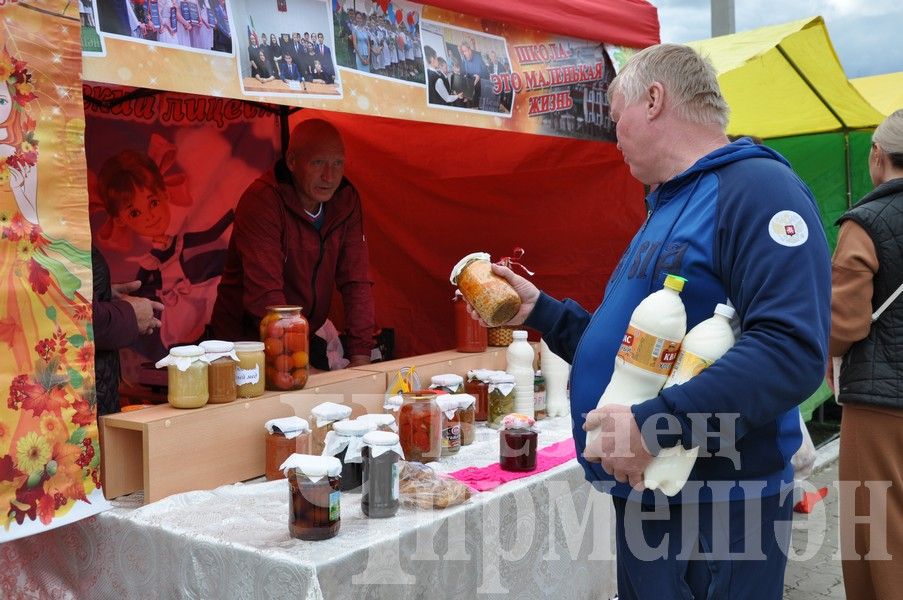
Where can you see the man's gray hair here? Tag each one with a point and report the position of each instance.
(689, 80)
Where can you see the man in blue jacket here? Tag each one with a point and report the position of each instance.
(734, 220)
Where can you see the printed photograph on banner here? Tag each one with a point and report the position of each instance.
(202, 25)
(380, 38)
(564, 83)
(92, 42)
(461, 66)
(286, 48)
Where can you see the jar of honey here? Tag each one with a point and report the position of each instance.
(314, 498)
(249, 373)
(187, 376)
(501, 398)
(322, 418)
(448, 383)
(451, 424)
(420, 426)
(490, 295)
(221, 362)
(284, 437)
(284, 331)
(517, 443)
(470, 336)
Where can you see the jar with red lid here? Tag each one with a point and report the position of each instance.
(284, 331)
(517, 443)
(470, 336)
(451, 424)
(420, 426)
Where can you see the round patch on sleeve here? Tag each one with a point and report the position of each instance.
(788, 229)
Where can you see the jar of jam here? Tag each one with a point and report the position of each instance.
(420, 426)
(380, 422)
(470, 335)
(321, 420)
(379, 493)
(187, 376)
(539, 396)
(451, 424)
(477, 385)
(467, 413)
(449, 383)
(284, 331)
(249, 373)
(345, 442)
(491, 296)
(284, 437)
(221, 362)
(501, 398)
(314, 498)
(517, 443)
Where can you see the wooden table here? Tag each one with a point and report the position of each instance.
(277, 86)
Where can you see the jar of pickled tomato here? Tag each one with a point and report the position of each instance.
(284, 331)
(420, 426)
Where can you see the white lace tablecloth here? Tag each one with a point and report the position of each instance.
(547, 535)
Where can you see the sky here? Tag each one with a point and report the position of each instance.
(865, 33)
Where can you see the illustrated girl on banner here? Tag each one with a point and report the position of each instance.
(48, 436)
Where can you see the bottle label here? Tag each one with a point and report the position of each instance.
(451, 437)
(539, 400)
(688, 365)
(335, 511)
(395, 481)
(648, 352)
(246, 376)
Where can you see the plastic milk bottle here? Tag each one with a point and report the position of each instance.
(706, 343)
(648, 350)
(520, 364)
(556, 371)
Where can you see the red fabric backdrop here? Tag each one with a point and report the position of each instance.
(631, 23)
(433, 193)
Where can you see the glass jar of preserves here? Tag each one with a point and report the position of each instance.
(470, 336)
(491, 296)
(221, 362)
(345, 442)
(249, 373)
(283, 331)
(448, 382)
(284, 437)
(380, 422)
(392, 405)
(539, 396)
(477, 385)
(501, 398)
(314, 498)
(467, 414)
(187, 376)
(322, 417)
(420, 426)
(517, 443)
(451, 424)
(380, 490)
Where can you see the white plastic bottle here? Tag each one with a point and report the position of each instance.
(703, 345)
(556, 371)
(648, 350)
(520, 364)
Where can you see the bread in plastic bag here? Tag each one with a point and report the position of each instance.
(421, 487)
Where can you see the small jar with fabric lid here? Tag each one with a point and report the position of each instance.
(380, 421)
(517, 443)
(221, 362)
(451, 424)
(420, 426)
(501, 398)
(466, 414)
(187, 375)
(249, 373)
(448, 383)
(322, 417)
(283, 331)
(392, 405)
(284, 437)
(314, 496)
(477, 384)
(379, 492)
(490, 295)
(345, 442)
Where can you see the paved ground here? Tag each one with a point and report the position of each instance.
(813, 571)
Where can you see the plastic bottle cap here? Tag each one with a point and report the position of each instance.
(381, 438)
(519, 334)
(725, 311)
(249, 346)
(217, 346)
(675, 282)
(182, 351)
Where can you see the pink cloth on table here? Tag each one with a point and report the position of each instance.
(487, 478)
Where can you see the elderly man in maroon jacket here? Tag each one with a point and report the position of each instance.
(298, 236)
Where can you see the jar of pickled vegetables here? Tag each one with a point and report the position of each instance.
(420, 426)
(477, 384)
(448, 382)
(501, 398)
(490, 295)
(221, 362)
(187, 375)
(467, 414)
(284, 331)
(451, 424)
(249, 373)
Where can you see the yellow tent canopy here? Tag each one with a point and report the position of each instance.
(885, 92)
(786, 80)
